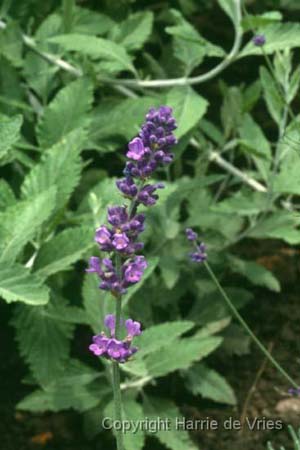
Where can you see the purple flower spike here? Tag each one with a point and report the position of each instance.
(150, 149)
(259, 40)
(199, 254)
(191, 234)
(136, 149)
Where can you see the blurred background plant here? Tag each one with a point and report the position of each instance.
(76, 80)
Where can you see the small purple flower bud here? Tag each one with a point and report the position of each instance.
(110, 323)
(191, 235)
(259, 40)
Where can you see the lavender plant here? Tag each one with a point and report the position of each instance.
(124, 267)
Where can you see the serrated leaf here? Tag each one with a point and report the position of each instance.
(96, 48)
(134, 31)
(19, 223)
(58, 398)
(255, 273)
(63, 250)
(18, 284)
(153, 338)
(187, 351)
(44, 341)
(9, 132)
(59, 167)
(209, 383)
(272, 95)
(67, 112)
(172, 436)
(188, 108)
(279, 36)
(281, 225)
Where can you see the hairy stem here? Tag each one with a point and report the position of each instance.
(247, 329)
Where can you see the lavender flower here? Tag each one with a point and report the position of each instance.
(199, 254)
(112, 348)
(120, 237)
(259, 40)
(295, 392)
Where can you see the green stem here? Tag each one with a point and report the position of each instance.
(115, 366)
(68, 9)
(247, 329)
(118, 403)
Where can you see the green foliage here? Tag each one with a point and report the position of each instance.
(210, 384)
(67, 112)
(17, 284)
(75, 85)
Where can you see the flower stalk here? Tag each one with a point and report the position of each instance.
(124, 267)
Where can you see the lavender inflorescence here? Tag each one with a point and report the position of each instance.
(123, 267)
(199, 254)
(112, 348)
(259, 40)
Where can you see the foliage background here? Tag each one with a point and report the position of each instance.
(66, 116)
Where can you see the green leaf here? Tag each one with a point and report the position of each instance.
(132, 413)
(152, 338)
(9, 133)
(97, 303)
(209, 383)
(272, 96)
(19, 223)
(17, 284)
(173, 436)
(189, 46)
(128, 114)
(187, 351)
(152, 263)
(88, 21)
(253, 137)
(281, 225)
(255, 273)
(251, 22)
(60, 167)
(97, 48)
(7, 196)
(63, 250)
(287, 181)
(188, 108)
(43, 340)
(230, 8)
(67, 112)
(279, 36)
(134, 31)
